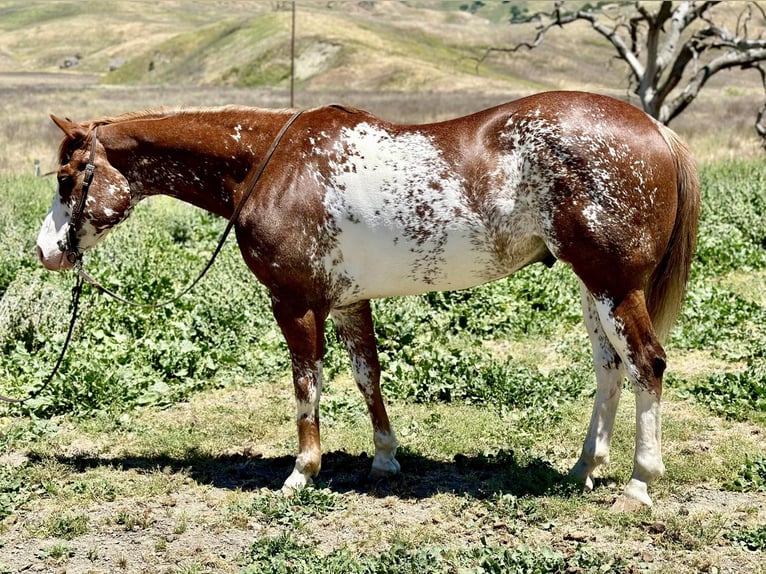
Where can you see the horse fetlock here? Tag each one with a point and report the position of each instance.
(307, 465)
(648, 469)
(385, 443)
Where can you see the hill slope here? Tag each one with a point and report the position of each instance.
(339, 45)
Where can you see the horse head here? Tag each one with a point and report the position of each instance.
(92, 197)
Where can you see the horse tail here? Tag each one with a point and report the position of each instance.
(667, 284)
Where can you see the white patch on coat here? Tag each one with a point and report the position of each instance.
(402, 219)
(307, 409)
(615, 331)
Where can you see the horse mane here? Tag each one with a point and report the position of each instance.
(163, 112)
(158, 113)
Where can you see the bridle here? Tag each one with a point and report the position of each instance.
(69, 246)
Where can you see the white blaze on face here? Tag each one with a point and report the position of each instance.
(52, 232)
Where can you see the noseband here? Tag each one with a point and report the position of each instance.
(69, 245)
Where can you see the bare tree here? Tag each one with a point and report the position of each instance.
(671, 49)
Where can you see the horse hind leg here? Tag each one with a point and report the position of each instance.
(355, 327)
(627, 325)
(610, 373)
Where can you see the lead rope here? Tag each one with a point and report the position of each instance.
(76, 292)
(82, 275)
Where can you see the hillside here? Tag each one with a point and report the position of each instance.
(405, 61)
(375, 46)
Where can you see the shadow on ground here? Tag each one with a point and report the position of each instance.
(421, 477)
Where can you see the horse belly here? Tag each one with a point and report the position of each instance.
(373, 258)
(381, 264)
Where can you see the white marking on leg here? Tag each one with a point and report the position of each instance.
(647, 464)
(307, 410)
(609, 376)
(615, 331)
(384, 464)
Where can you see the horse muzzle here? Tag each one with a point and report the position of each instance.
(55, 260)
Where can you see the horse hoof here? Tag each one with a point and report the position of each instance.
(634, 497)
(384, 469)
(296, 481)
(625, 503)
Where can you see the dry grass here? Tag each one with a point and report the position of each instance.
(716, 128)
(404, 63)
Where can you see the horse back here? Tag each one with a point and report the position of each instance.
(374, 209)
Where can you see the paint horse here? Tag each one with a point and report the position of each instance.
(351, 207)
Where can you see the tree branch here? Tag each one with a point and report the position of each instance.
(557, 19)
(744, 60)
(665, 46)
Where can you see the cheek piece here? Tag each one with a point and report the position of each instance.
(69, 245)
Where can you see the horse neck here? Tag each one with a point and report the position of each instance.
(200, 157)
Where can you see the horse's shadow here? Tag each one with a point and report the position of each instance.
(478, 476)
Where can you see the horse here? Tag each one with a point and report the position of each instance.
(350, 207)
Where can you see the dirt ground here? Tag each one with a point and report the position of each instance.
(194, 513)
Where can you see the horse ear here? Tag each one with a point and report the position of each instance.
(73, 130)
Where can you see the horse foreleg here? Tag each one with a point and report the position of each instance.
(629, 328)
(304, 332)
(609, 376)
(355, 327)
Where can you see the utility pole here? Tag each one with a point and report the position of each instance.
(292, 58)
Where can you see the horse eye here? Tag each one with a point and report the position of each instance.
(64, 179)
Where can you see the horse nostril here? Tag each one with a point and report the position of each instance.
(39, 253)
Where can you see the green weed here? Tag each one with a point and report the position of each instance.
(753, 538)
(58, 552)
(751, 476)
(732, 395)
(282, 554)
(432, 348)
(67, 525)
(295, 510)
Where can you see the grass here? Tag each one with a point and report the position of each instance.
(174, 427)
(163, 445)
(438, 511)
